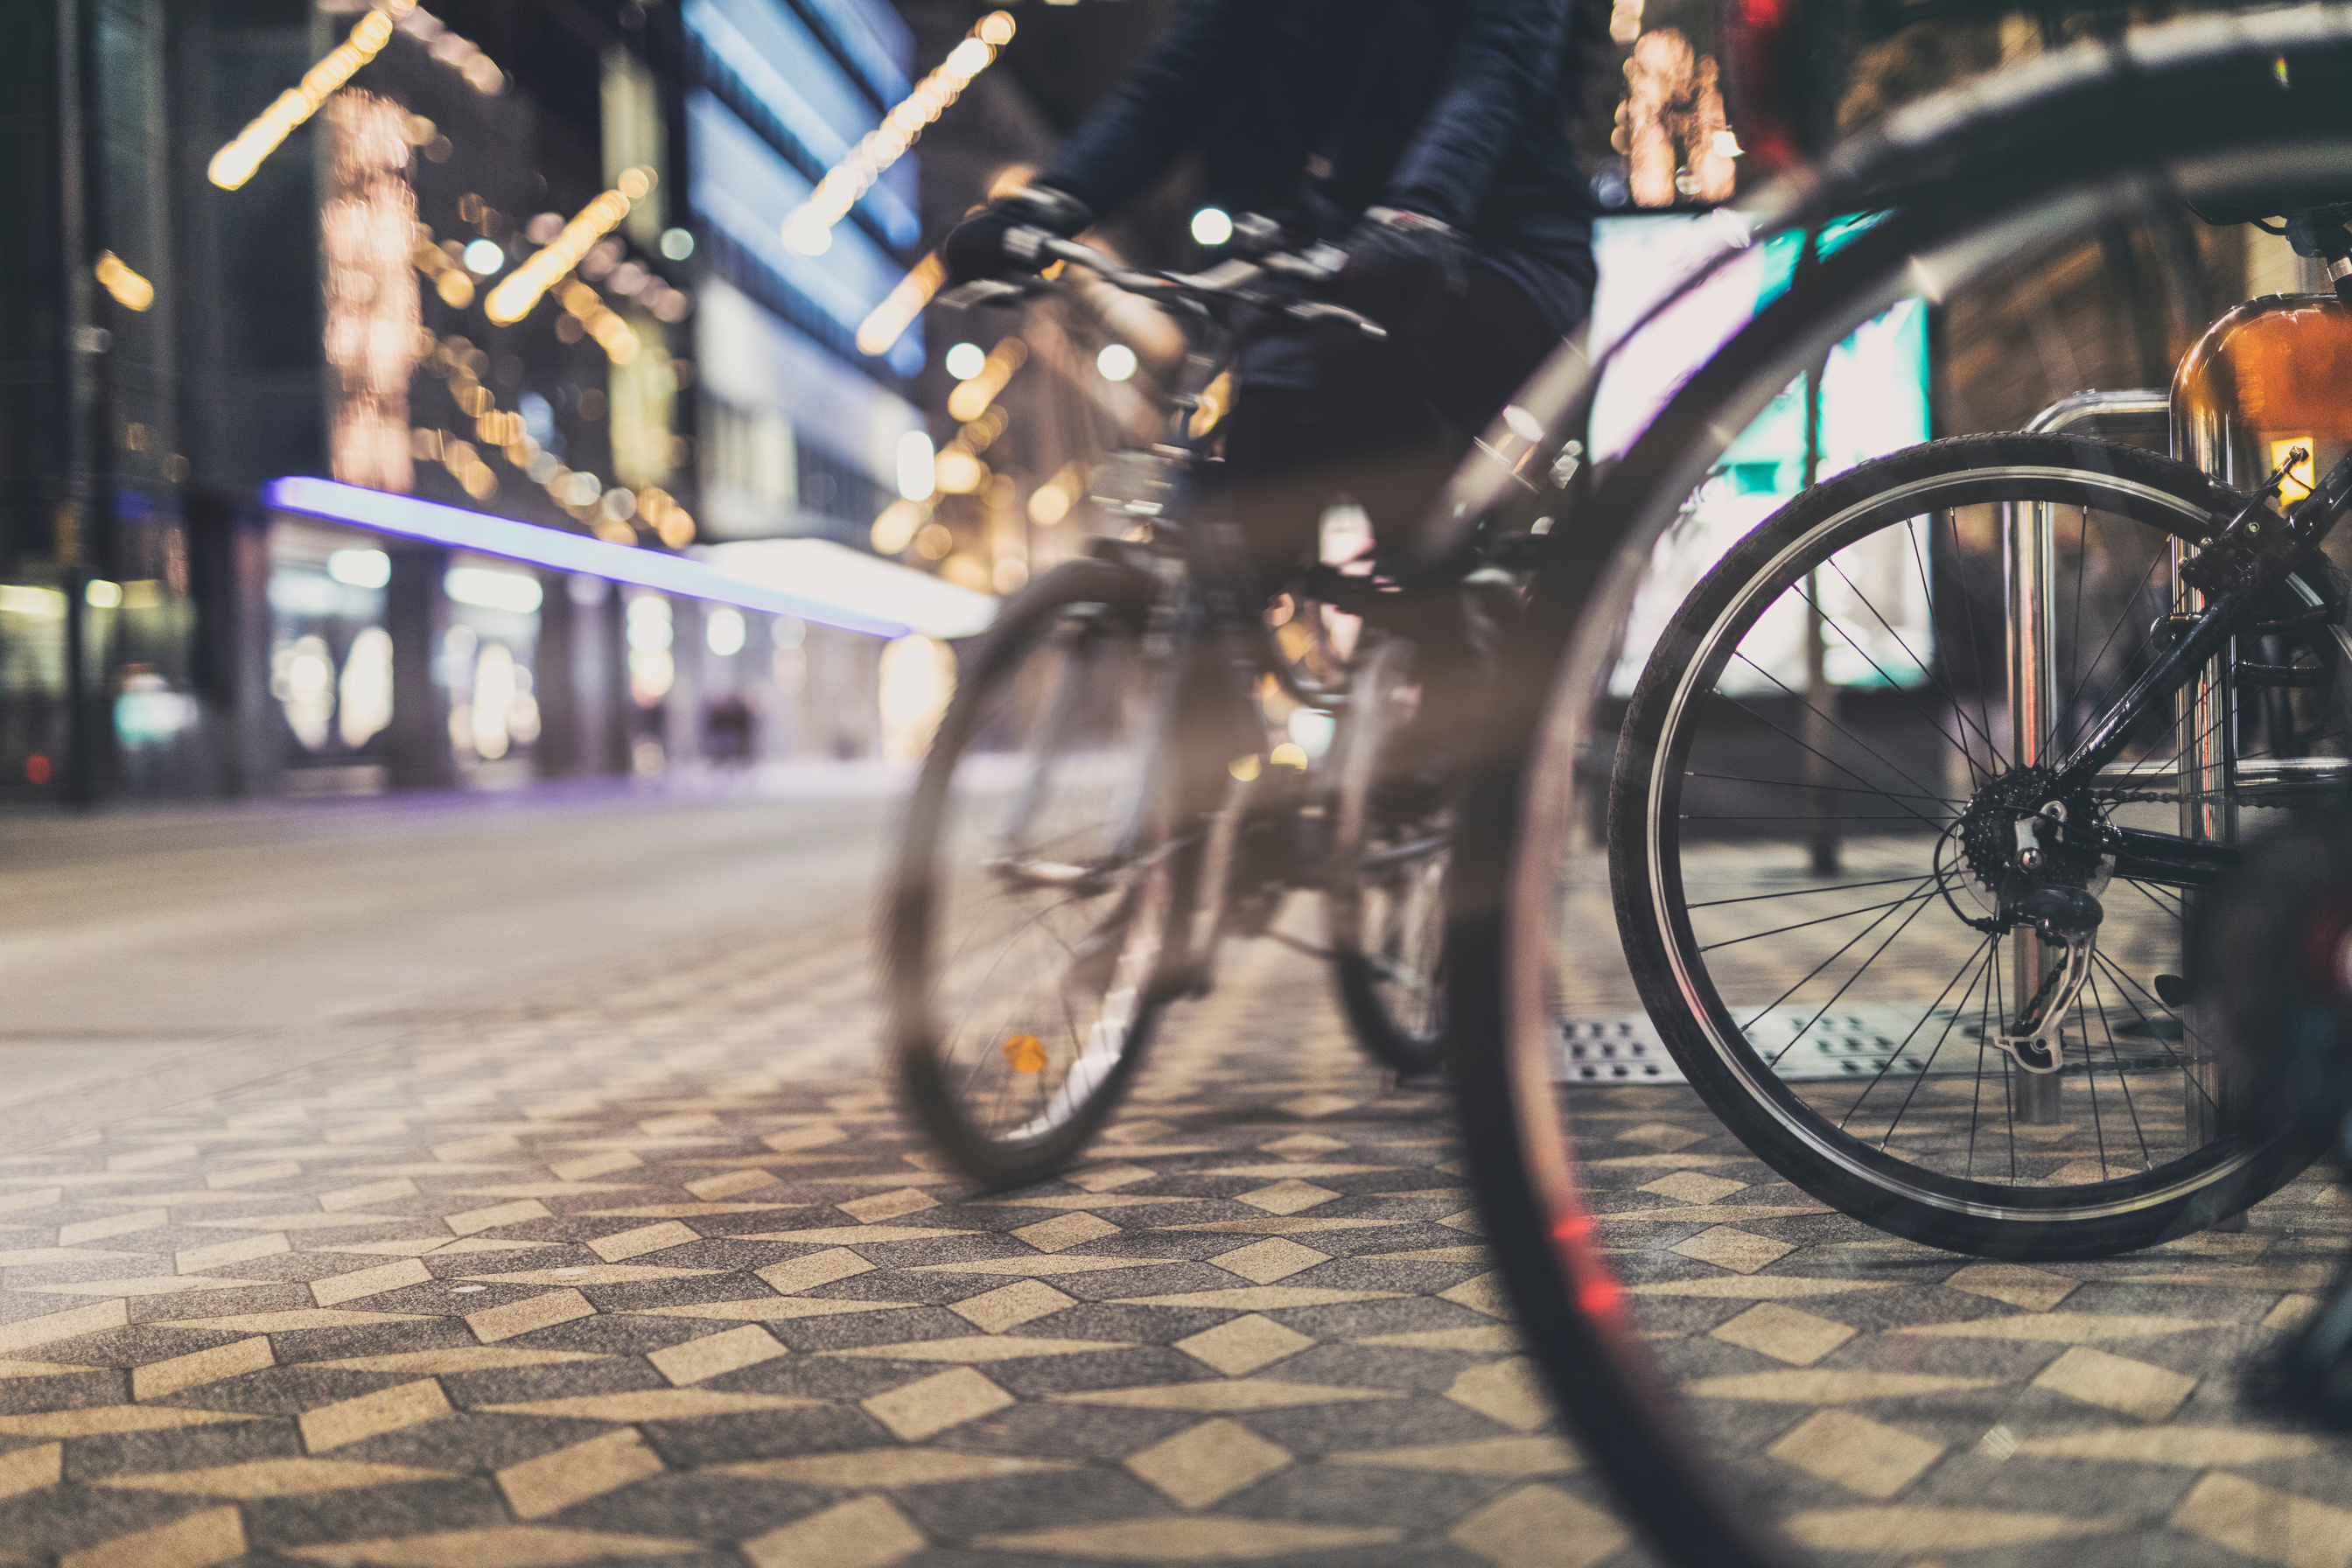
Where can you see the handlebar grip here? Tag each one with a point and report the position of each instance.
(982, 292)
(1317, 311)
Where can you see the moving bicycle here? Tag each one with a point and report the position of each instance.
(1118, 784)
(1416, 155)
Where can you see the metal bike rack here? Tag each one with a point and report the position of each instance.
(2209, 778)
(2029, 569)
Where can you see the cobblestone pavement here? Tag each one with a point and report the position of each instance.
(647, 1270)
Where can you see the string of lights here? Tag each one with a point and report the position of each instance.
(521, 289)
(235, 163)
(605, 509)
(130, 291)
(888, 322)
(808, 227)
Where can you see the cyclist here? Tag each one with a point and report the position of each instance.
(1426, 139)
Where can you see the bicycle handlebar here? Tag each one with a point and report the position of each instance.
(1226, 284)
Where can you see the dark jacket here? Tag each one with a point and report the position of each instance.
(1312, 110)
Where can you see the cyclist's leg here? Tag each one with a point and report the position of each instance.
(1462, 367)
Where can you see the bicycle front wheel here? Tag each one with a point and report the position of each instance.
(1031, 912)
(1803, 862)
(1384, 899)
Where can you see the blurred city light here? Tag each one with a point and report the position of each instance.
(360, 568)
(808, 227)
(888, 322)
(1117, 362)
(130, 291)
(512, 300)
(492, 590)
(103, 596)
(455, 526)
(960, 473)
(918, 466)
(881, 589)
(963, 360)
(896, 527)
(1211, 226)
(971, 397)
(723, 631)
(233, 164)
(484, 257)
(918, 678)
(363, 693)
(676, 244)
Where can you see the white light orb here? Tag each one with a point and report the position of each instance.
(1211, 226)
(485, 257)
(1117, 362)
(964, 361)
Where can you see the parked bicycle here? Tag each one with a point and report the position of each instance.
(1110, 795)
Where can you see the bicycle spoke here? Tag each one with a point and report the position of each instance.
(1838, 789)
(2114, 1054)
(1895, 1055)
(1800, 925)
(1723, 697)
(1865, 598)
(1994, 762)
(1800, 892)
(1831, 720)
(1825, 963)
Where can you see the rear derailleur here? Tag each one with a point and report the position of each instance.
(2040, 864)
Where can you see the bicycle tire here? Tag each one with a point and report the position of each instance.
(949, 1017)
(1688, 709)
(1384, 894)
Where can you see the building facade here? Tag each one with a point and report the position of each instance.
(517, 262)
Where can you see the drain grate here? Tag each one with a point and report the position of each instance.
(1810, 1047)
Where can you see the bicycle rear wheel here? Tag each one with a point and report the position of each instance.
(1032, 910)
(1384, 899)
(1800, 871)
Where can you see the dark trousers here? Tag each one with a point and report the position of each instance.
(1323, 414)
(1383, 425)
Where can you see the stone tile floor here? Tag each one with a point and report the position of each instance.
(648, 1271)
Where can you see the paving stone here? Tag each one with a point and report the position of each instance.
(2116, 1382)
(1858, 1453)
(1784, 1333)
(1243, 1344)
(930, 1405)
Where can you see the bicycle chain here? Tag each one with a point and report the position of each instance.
(2157, 797)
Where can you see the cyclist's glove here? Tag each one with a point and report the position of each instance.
(975, 247)
(1399, 266)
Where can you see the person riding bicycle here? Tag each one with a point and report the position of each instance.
(1426, 139)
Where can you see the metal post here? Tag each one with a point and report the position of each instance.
(2028, 548)
(2029, 565)
(1820, 730)
(2208, 722)
(1821, 698)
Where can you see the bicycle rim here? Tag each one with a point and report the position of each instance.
(1842, 1014)
(1032, 910)
(1385, 895)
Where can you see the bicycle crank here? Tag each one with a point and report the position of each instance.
(2068, 917)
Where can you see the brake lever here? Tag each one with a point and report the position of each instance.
(1317, 311)
(990, 292)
